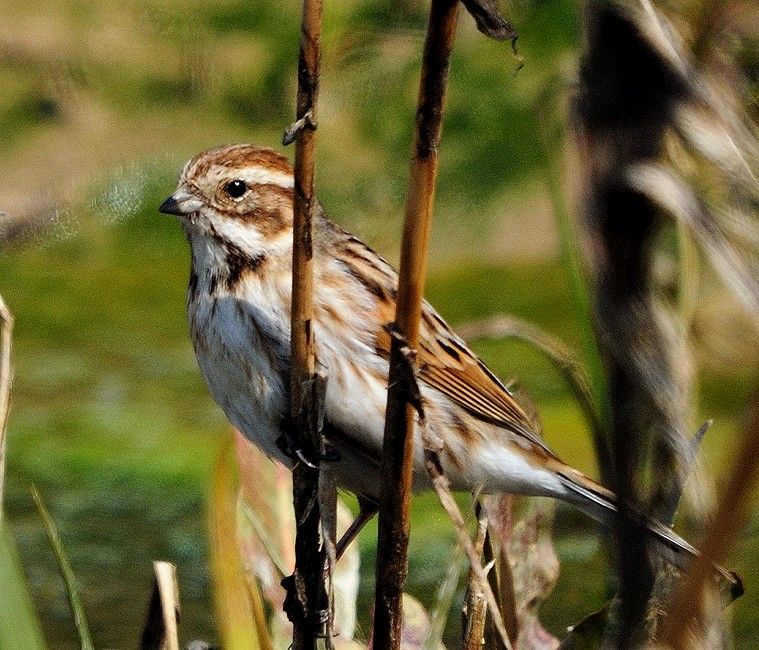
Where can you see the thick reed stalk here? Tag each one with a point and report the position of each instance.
(626, 99)
(397, 461)
(308, 590)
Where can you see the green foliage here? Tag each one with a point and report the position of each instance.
(19, 626)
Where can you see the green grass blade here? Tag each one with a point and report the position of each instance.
(19, 625)
(444, 599)
(85, 639)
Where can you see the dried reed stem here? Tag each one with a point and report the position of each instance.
(397, 461)
(443, 489)
(6, 377)
(730, 515)
(311, 619)
(474, 612)
(161, 628)
(498, 508)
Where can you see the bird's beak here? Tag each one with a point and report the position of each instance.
(181, 204)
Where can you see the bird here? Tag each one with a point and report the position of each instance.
(235, 204)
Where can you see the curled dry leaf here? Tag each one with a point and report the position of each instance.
(490, 21)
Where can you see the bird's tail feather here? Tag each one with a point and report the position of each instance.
(599, 503)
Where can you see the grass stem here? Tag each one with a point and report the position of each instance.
(67, 573)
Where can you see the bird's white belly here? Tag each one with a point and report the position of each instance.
(244, 379)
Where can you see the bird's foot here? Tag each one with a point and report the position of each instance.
(296, 608)
(287, 443)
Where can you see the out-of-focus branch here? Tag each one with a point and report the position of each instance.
(397, 460)
(627, 95)
(309, 606)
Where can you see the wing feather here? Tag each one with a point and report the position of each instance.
(445, 361)
(448, 365)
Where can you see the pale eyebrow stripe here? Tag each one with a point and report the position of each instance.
(262, 176)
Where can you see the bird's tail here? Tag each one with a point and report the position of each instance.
(600, 504)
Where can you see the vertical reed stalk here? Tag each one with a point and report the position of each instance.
(397, 461)
(627, 96)
(308, 579)
(6, 376)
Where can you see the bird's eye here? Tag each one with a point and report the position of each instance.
(236, 188)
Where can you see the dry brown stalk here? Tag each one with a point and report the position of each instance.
(498, 508)
(475, 607)
(730, 516)
(443, 489)
(308, 603)
(397, 462)
(6, 377)
(161, 628)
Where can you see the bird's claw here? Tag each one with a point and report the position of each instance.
(294, 605)
(286, 444)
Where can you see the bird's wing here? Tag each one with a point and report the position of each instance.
(448, 365)
(445, 362)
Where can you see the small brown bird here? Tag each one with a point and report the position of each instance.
(236, 206)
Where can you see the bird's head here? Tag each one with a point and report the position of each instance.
(239, 195)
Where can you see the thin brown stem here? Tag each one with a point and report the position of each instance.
(302, 337)
(442, 487)
(475, 606)
(397, 461)
(311, 605)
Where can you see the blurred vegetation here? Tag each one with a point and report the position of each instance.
(101, 106)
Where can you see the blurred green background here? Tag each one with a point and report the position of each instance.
(102, 104)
